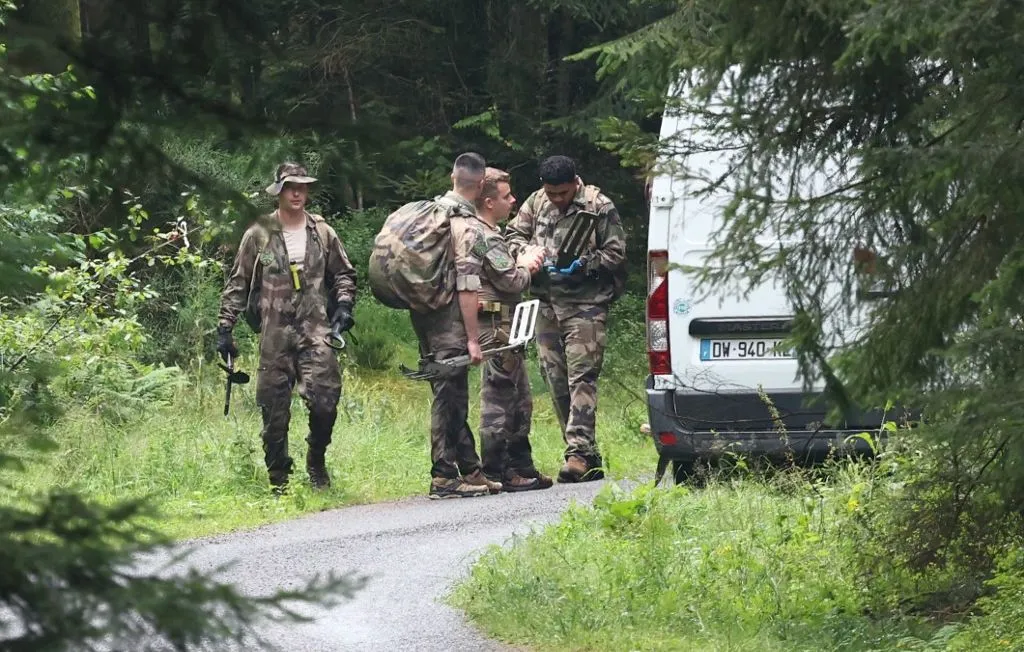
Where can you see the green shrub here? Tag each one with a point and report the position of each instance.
(357, 230)
(999, 624)
(929, 538)
(740, 565)
(182, 317)
(374, 351)
(626, 355)
(381, 334)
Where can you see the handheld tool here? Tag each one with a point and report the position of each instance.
(234, 378)
(576, 240)
(522, 330)
(336, 340)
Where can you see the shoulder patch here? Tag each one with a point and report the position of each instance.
(479, 248)
(501, 260)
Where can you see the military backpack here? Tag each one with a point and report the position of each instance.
(412, 266)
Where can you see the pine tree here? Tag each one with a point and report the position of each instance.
(72, 571)
(914, 111)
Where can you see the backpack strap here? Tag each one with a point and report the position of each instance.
(451, 209)
(262, 239)
(320, 232)
(448, 206)
(590, 195)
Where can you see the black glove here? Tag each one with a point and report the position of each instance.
(342, 317)
(226, 343)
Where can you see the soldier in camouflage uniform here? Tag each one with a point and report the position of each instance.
(296, 265)
(506, 404)
(450, 332)
(574, 304)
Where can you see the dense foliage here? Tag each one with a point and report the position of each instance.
(375, 96)
(135, 139)
(75, 568)
(908, 115)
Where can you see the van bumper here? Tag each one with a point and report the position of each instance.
(687, 426)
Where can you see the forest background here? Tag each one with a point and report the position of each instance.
(120, 122)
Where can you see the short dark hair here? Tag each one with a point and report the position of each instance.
(556, 170)
(469, 169)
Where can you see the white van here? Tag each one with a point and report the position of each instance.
(711, 357)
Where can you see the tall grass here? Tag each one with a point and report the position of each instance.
(792, 559)
(207, 473)
(121, 433)
(739, 565)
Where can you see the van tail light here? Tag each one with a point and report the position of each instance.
(668, 438)
(658, 352)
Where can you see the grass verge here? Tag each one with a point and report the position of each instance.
(206, 472)
(738, 565)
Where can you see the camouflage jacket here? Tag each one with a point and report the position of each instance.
(539, 222)
(500, 279)
(468, 251)
(327, 277)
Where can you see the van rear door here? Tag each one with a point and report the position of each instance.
(723, 342)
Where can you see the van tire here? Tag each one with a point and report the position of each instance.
(686, 472)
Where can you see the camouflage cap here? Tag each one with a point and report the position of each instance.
(288, 172)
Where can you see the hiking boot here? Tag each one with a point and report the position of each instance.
(278, 482)
(477, 478)
(543, 481)
(515, 482)
(576, 469)
(317, 470)
(454, 488)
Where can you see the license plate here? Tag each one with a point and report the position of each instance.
(771, 349)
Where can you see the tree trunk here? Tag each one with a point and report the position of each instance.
(63, 17)
(563, 92)
(39, 33)
(252, 70)
(559, 74)
(143, 41)
(359, 158)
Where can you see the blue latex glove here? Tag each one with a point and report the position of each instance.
(571, 269)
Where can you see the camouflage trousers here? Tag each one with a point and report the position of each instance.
(506, 405)
(452, 447)
(287, 358)
(571, 352)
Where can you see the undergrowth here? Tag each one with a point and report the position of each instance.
(122, 428)
(781, 561)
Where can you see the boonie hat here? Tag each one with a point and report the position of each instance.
(286, 172)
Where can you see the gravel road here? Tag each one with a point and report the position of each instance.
(413, 551)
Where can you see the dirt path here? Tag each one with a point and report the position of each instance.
(413, 550)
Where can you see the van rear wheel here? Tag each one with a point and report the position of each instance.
(687, 472)
(683, 470)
